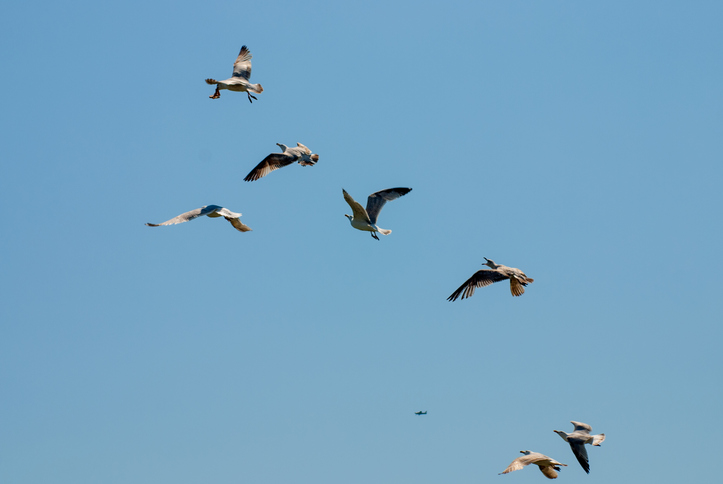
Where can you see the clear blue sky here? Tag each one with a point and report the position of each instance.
(579, 142)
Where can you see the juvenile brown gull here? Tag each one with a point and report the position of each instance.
(212, 211)
(547, 465)
(274, 161)
(485, 277)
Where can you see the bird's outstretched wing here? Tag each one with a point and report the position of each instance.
(238, 225)
(549, 472)
(185, 217)
(480, 278)
(272, 162)
(357, 209)
(233, 217)
(578, 448)
(242, 66)
(516, 465)
(376, 200)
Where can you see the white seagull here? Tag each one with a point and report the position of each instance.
(578, 439)
(485, 277)
(367, 219)
(274, 161)
(210, 211)
(548, 465)
(239, 80)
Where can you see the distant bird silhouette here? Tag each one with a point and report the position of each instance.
(239, 80)
(210, 211)
(420, 413)
(578, 439)
(486, 277)
(367, 219)
(274, 161)
(548, 465)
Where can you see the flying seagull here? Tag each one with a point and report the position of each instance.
(367, 219)
(548, 465)
(210, 211)
(239, 80)
(274, 161)
(420, 413)
(578, 439)
(486, 277)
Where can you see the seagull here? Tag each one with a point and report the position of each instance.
(578, 439)
(274, 161)
(367, 219)
(239, 80)
(420, 413)
(548, 465)
(210, 211)
(486, 277)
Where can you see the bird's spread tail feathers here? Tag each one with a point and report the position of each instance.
(211, 81)
(516, 287)
(255, 88)
(385, 231)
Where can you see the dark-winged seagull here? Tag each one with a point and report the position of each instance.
(367, 219)
(485, 277)
(420, 413)
(210, 211)
(548, 465)
(239, 80)
(578, 439)
(274, 161)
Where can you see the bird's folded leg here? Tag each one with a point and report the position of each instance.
(375, 235)
(250, 96)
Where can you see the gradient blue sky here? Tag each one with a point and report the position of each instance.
(579, 142)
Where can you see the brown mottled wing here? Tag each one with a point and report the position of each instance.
(272, 162)
(549, 472)
(236, 222)
(242, 66)
(517, 464)
(480, 278)
(376, 200)
(185, 217)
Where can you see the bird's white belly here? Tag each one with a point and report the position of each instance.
(363, 226)
(233, 84)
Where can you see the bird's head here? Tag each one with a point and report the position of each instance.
(314, 157)
(526, 452)
(490, 263)
(282, 146)
(348, 216)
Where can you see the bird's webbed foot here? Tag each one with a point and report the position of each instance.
(375, 235)
(251, 96)
(216, 94)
